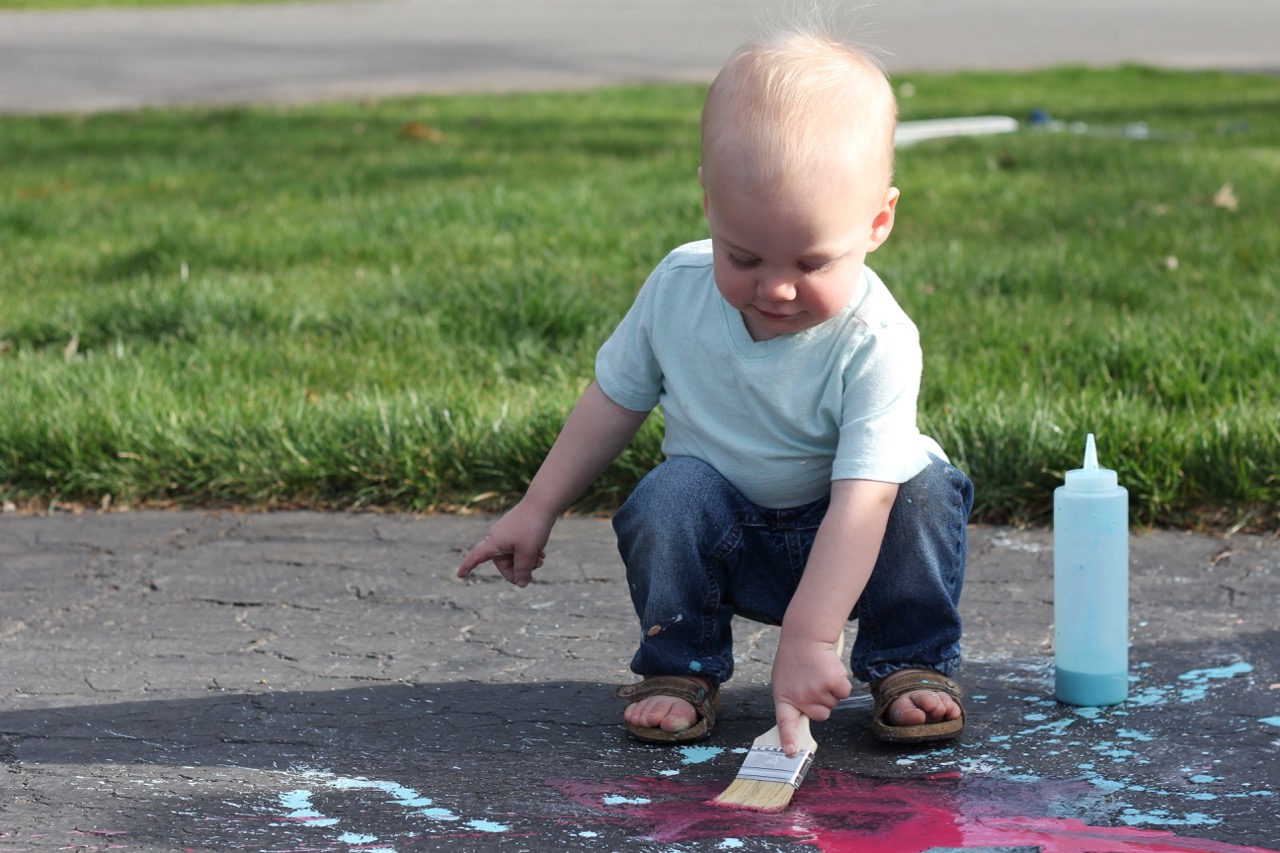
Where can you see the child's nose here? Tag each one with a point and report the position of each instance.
(776, 287)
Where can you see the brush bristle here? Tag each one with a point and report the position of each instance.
(755, 795)
(769, 777)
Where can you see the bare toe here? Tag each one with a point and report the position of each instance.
(916, 706)
(922, 706)
(670, 708)
(661, 712)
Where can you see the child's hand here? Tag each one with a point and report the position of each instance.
(515, 545)
(809, 678)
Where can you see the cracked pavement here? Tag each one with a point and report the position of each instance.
(307, 681)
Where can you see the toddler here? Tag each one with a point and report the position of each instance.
(796, 489)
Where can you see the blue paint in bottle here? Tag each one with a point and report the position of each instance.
(1091, 586)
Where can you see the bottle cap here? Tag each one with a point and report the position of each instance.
(1089, 477)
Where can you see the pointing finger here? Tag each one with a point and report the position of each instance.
(482, 553)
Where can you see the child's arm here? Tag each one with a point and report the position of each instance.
(596, 432)
(808, 677)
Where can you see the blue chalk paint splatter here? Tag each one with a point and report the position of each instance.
(1113, 752)
(296, 800)
(1053, 728)
(1131, 734)
(1161, 817)
(618, 800)
(1148, 696)
(1070, 731)
(300, 808)
(1199, 679)
(406, 797)
(699, 754)
(1194, 686)
(694, 666)
(1239, 668)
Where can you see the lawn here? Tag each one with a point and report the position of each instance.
(395, 303)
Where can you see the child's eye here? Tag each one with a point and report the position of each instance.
(739, 263)
(809, 269)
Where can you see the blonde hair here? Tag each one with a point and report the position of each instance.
(799, 100)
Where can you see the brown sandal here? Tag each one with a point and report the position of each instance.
(902, 682)
(705, 701)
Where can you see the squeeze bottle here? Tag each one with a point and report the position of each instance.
(1091, 585)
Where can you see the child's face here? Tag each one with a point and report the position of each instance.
(790, 257)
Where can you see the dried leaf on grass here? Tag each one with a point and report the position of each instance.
(1225, 198)
(421, 132)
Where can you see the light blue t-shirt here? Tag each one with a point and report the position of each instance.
(781, 418)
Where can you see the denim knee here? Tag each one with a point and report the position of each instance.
(673, 533)
(908, 614)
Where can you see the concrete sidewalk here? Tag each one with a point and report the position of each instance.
(71, 61)
(303, 681)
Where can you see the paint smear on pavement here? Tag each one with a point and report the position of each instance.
(841, 813)
(298, 805)
(986, 795)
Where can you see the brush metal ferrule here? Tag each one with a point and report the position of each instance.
(771, 764)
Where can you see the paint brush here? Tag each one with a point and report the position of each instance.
(768, 778)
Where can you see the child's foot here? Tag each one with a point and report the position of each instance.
(917, 705)
(669, 713)
(670, 708)
(922, 706)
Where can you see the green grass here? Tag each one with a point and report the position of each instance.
(396, 303)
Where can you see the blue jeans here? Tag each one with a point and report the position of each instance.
(697, 552)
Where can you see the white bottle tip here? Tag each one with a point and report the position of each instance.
(1090, 477)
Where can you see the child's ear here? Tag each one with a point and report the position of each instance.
(882, 223)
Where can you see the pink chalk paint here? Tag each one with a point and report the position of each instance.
(837, 812)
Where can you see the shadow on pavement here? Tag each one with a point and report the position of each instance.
(1189, 757)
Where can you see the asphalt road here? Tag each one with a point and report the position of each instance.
(122, 58)
(322, 682)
